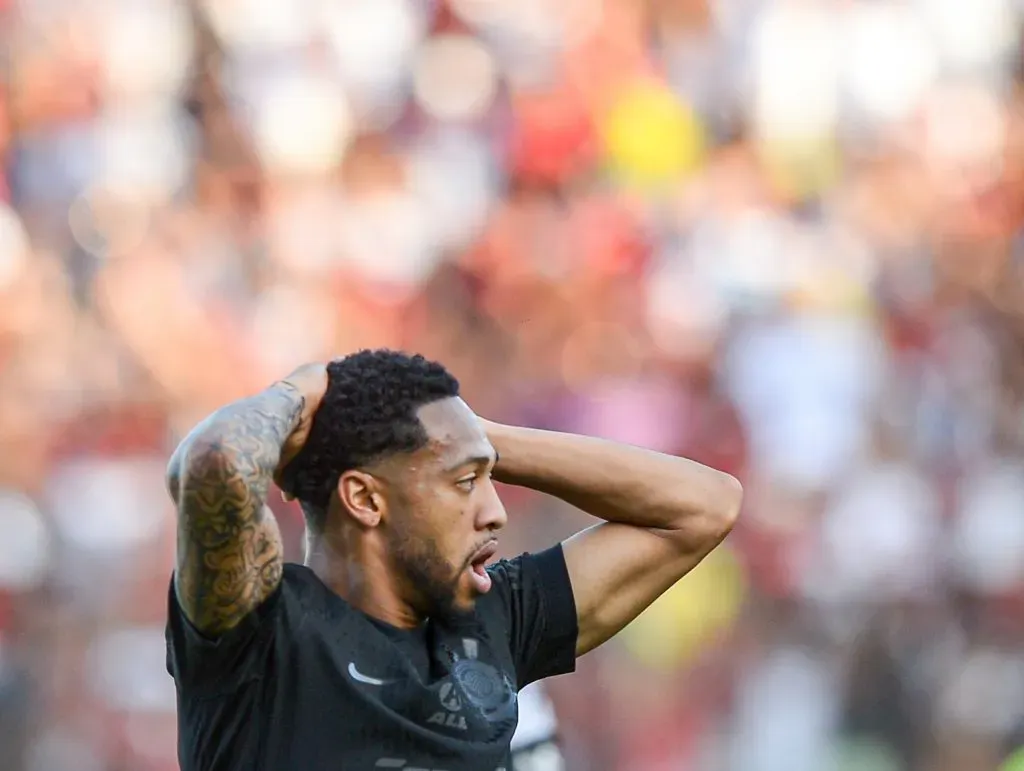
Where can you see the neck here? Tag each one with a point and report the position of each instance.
(352, 565)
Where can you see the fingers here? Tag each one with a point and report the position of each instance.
(311, 381)
(306, 370)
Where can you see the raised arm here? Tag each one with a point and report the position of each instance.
(663, 516)
(229, 557)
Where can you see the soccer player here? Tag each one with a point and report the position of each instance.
(396, 645)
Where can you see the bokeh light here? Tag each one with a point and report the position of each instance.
(26, 551)
(795, 87)
(372, 44)
(146, 151)
(14, 246)
(893, 61)
(135, 69)
(302, 125)
(651, 137)
(456, 78)
(250, 26)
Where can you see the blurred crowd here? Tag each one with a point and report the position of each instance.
(782, 237)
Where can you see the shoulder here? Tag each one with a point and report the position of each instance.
(512, 569)
(300, 582)
(531, 603)
(528, 584)
(530, 571)
(304, 592)
(299, 600)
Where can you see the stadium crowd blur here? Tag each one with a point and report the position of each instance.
(782, 237)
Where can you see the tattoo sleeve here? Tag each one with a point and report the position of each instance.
(229, 547)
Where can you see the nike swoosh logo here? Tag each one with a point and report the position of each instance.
(359, 677)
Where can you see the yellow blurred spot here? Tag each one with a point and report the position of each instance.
(690, 614)
(800, 170)
(651, 137)
(830, 290)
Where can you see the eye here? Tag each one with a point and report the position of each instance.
(467, 484)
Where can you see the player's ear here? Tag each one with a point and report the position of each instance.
(360, 496)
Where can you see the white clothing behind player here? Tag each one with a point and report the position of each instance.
(535, 744)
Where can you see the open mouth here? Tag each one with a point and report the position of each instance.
(478, 566)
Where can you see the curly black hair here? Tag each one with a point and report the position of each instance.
(367, 413)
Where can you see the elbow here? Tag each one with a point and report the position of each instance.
(730, 501)
(175, 471)
(196, 458)
(172, 478)
(706, 522)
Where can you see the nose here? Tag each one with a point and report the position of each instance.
(491, 515)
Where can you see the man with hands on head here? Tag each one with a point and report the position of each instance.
(397, 645)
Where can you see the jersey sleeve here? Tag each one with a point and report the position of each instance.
(208, 666)
(534, 595)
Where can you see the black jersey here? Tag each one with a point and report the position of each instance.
(308, 683)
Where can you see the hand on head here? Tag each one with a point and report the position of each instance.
(309, 380)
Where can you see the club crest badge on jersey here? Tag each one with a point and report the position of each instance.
(480, 687)
(483, 686)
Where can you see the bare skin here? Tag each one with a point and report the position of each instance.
(662, 515)
(402, 533)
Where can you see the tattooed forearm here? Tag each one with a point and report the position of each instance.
(229, 547)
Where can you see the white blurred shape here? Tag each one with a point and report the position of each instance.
(373, 43)
(25, 547)
(805, 386)
(389, 237)
(302, 124)
(537, 719)
(147, 48)
(557, 23)
(530, 21)
(746, 256)
(455, 78)
(58, 749)
(371, 36)
(796, 86)
(127, 670)
(108, 506)
(528, 36)
(145, 151)
(881, 534)
(988, 536)
(14, 245)
(972, 33)
(788, 704)
(683, 313)
(985, 695)
(453, 173)
(292, 327)
(261, 24)
(891, 61)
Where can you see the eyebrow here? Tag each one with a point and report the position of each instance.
(476, 460)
